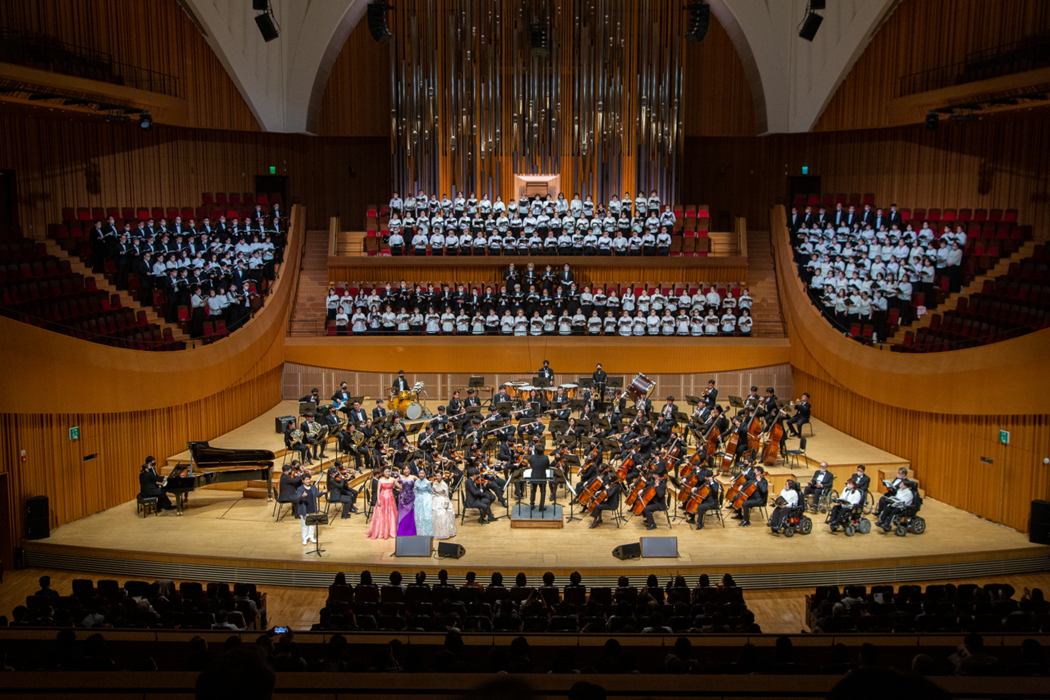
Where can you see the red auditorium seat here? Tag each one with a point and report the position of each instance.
(234, 199)
(220, 199)
(995, 215)
(207, 199)
(68, 214)
(980, 214)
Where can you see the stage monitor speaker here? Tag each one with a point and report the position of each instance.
(810, 26)
(38, 519)
(415, 546)
(632, 550)
(281, 423)
(1039, 523)
(699, 20)
(260, 5)
(266, 27)
(377, 22)
(447, 550)
(664, 547)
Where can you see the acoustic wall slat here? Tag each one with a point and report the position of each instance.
(717, 94)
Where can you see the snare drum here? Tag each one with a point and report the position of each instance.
(640, 387)
(570, 390)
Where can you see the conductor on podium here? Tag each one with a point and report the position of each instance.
(539, 465)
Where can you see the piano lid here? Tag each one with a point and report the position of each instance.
(206, 456)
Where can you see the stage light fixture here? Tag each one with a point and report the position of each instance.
(145, 121)
(377, 24)
(932, 122)
(810, 25)
(699, 20)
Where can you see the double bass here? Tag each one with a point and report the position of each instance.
(773, 437)
(733, 443)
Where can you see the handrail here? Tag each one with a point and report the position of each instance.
(1015, 57)
(936, 382)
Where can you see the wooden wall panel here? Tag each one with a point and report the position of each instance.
(156, 36)
(942, 411)
(993, 163)
(64, 162)
(921, 35)
(357, 96)
(494, 354)
(717, 94)
(54, 465)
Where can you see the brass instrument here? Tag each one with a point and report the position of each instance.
(357, 437)
(295, 438)
(313, 428)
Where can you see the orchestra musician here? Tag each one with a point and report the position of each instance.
(770, 412)
(611, 502)
(539, 463)
(710, 502)
(313, 398)
(669, 409)
(791, 497)
(547, 373)
(341, 399)
(821, 482)
(709, 398)
(369, 446)
(300, 447)
(291, 480)
(752, 400)
(471, 400)
(306, 497)
(848, 499)
(455, 405)
(657, 477)
(315, 441)
(349, 441)
(801, 417)
(757, 499)
(378, 412)
(748, 473)
(151, 484)
(501, 396)
(560, 405)
(357, 414)
(339, 489)
(400, 384)
(663, 429)
(426, 441)
(599, 377)
(477, 497)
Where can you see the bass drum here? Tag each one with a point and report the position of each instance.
(413, 411)
(640, 387)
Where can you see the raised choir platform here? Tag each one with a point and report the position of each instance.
(226, 533)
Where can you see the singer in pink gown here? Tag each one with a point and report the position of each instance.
(384, 518)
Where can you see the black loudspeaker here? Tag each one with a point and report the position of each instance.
(260, 5)
(416, 546)
(281, 423)
(699, 19)
(632, 550)
(38, 520)
(377, 22)
(266, 27)
(1039, 524)
(447, 550)
(810, 26)
(817, 4)
(660, 547)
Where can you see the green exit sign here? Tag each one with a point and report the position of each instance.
(1004, 437)
(273, 169)
(74, 433)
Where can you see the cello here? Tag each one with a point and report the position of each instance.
(745, 493)
(692, 503)
(729, 456)
(646, 496)
(738, 483)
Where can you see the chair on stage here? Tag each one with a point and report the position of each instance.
(278, 506)
(144, 504)
(793, 455)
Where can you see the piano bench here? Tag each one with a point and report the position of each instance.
(145, 504)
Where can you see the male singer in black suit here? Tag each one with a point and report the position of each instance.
(547, 373)
(801, 417)
(400, 384)
(795, 220)
(539, 463)
(151, 484)
(566, 278)
(867, 217)
(895, 217)
(600, 378)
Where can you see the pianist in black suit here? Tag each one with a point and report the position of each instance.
(151, 484)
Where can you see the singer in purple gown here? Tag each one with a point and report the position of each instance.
(406, 517)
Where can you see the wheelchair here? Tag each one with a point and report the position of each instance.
(796, 521)
(906, 521)
(855, 522)
(826, 501)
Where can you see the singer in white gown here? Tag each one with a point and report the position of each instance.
(444, 516)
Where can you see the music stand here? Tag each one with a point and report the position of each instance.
(515, 477)
(611, 445)
(413, 429)
(356, 399)
(541, 382)
(473, 410)
(306, 408)
(585, 382)
(576, 405)
(545, 476)
(614, 383)
(736, 402)
(603, 423)
(317, 520)
(557, 426)
(680, 417)
(692, 400)
(504, 407)
(476, 382)
(583, 425)
(630, 411)
(488, 444)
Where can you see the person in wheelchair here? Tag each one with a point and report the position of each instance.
(891, 490)
(897, 505)
(787, 506)
(849, 499)
(819, 485)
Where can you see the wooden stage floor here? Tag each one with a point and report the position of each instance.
(225, 535)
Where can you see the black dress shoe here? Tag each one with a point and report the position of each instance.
(543, 509)
(482, 520)
(594, 524)
(738, 516)
(743, 523)
(353, 509)
(699, 526)
(651, 527)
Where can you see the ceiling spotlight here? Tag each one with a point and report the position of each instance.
(932, 122)
(145, 121)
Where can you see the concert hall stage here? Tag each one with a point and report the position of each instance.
(226, 536)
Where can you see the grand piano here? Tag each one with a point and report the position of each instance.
(230, 466)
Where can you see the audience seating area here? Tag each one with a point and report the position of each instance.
(137, 604)
(1009, 306)
(994, 608)
(41, 290)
